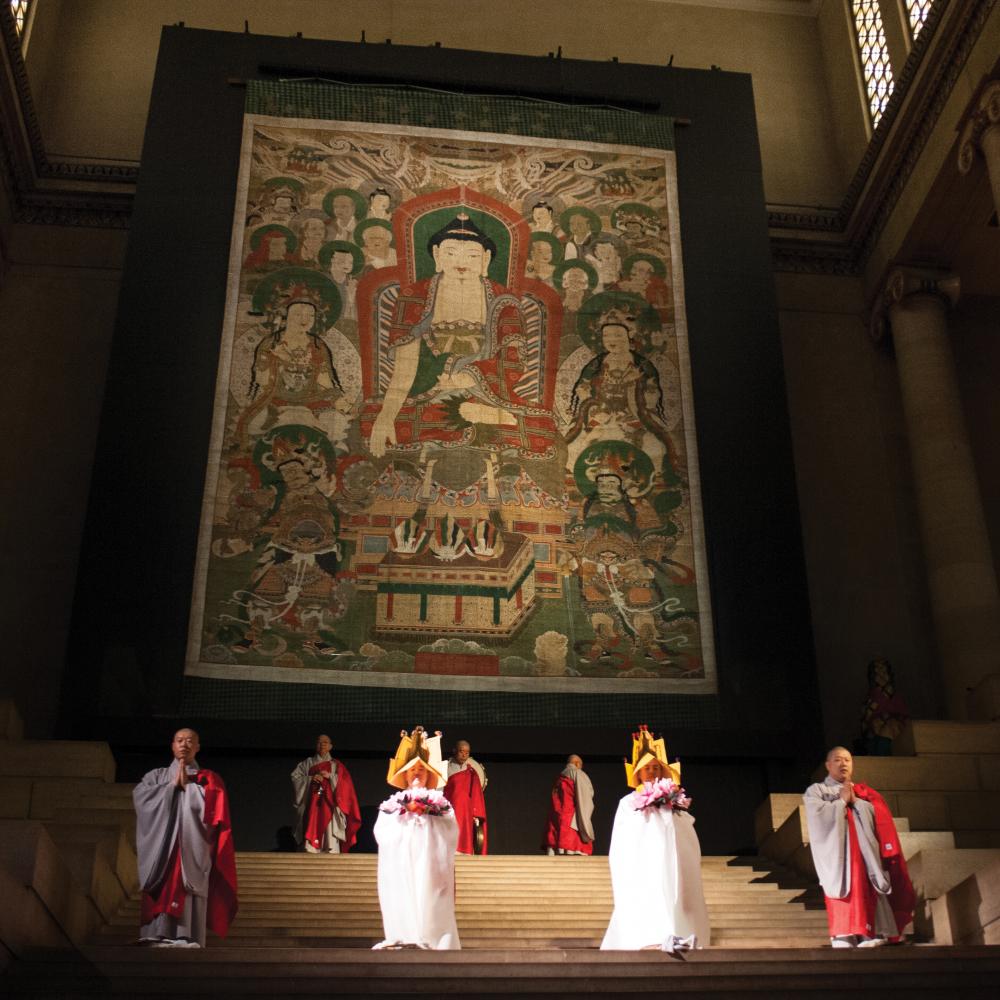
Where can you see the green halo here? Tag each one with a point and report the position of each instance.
(557, 247)
(361, 227)
(258, 234)
(593, 219)
(301, 436)
(647, 319)
(566, 265)
(633, 208)
(327, 250)
(360, 204)
(285, 182)
(659, 268)
(429, 223)
(278, 283)
(641, 463)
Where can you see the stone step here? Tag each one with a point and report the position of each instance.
(117, 819)
(946, 810)
(934, 872)
(772, 812)
(44, 758)
(955, 772)
(332, 879)
(118, 851)
(931, 736)
(969, 912)
(280, 973)
(926, 840)
(32, 859)
(505, 861)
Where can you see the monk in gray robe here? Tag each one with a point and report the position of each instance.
(570, 828)
(184, 843)
(858, 858)
(326, 805)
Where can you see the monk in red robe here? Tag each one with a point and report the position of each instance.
(570, 828)
(858, 858)
(329, 816)
(464, 790)
(184, 843)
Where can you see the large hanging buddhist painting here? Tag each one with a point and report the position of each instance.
(453, 441)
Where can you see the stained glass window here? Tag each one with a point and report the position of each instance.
(874, 55)
(918, 11)
(20, 11)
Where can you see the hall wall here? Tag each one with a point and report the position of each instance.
(91, 62)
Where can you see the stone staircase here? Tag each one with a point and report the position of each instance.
(523, 902)
(530, 927)
(943, 788)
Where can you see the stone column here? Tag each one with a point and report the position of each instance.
(982, 134)
(962, 579)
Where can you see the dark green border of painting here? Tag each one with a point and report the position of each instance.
(421, 108)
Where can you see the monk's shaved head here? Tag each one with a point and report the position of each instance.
(840, 764)
(576, 760)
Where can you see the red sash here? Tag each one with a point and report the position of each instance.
(321, 802)
(902, 898)
(171, 896)
(319, 807)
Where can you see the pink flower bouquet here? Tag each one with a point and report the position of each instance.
(417, 801)
(662, 793)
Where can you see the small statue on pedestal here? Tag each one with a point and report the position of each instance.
(884, 713)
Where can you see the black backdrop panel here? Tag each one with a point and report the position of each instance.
(125, 661)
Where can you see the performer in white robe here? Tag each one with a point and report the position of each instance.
(655, 859)
(184, 847)
(417, 835)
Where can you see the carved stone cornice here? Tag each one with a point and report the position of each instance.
(985, 115)
(906, 281)
(41, 190)
(920, 94)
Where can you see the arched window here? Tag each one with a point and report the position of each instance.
(918, 11)
(874, 53)
(19, 8)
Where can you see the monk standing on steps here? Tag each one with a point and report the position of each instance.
(184, 843)
(858, 858)
(329, 816)
(464, 790)
(570, 829)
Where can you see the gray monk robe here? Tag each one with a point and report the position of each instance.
(186, 860)
(570, 828)
(842, 861)
(328, 816)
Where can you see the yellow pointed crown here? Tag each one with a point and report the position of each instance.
(645, 750)
(413, 748)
